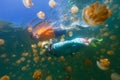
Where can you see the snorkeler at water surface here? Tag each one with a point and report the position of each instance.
(70, 46)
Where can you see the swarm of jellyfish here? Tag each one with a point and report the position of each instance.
(96, 14)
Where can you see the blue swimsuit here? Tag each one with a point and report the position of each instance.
(67, 47)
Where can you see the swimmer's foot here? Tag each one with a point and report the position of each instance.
(93, 41)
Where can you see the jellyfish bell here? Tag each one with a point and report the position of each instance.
(68, 69)
(100, 66)
(70, 33)
(2, 41)
(41, 15)
(29, 29)
(24, 68)
(52, 3)
(43, 31)
(74, 9)
(113, 37)
(37, 75)
(103, 64)
(49, 77)
(5, 77)
(40, 43)
(96, 14)
(115, 76)
(28, 3)
(34, 46)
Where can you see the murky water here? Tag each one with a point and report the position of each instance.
(21, 56)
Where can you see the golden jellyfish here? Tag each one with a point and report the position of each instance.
(62, 58)
(22, 59)
(88, 62)
(114, 45)
(42, 59)
(68, 69)
(28, 3)
(2, 42)
(24, 68)
(113, 37)
(41, 15)
(3, 55)
(105, 34)
(34, 46)
(115, 76)
(25, 54)
(37, 75)
(110, 52)
(62, 38)
(74, 9)
(49, 77)
(30, 29)
(18, 61)
(13, 55)
(35, 52)
(45, 43)
(5, 77)
(40, 43)
(49, 58)
(52, 3)
(36, 59)
(104, 29)
(96, 14)
(70, 33)
(42, 51)
(103, 64)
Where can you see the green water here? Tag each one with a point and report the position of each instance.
(18, 41)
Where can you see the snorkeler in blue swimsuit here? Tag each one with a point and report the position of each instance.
(69, 46)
